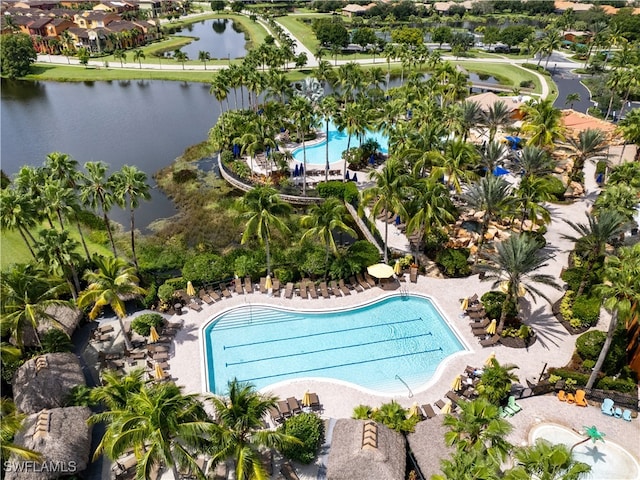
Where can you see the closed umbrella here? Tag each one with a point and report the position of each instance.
(301, 169)
(491, 329)
(457, 383)
(397, 268)
(447, 407)
(159, 372)
(490, 359)
(380, 270)
(306, 399)
(190, 290)
(268, 283)
(355, 177)
(296, 171)
(346, 176)
(413, 410)
(153, 335)
(465, 303)
(504, 288)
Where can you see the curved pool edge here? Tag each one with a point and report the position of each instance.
(434, 378)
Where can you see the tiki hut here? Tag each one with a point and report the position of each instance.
(428, 447)
(363, 449)
(46, 381)
(65, 318)
(63, 438)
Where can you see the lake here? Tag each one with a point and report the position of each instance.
(220, 37)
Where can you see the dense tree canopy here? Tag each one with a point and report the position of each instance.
(331, 31)
(16, 55)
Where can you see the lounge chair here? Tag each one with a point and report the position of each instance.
(238, 285)
(195, 306)
(344, 289)
(213, 294)
(626, 415)
(288, 291)
(440, 404)
(248, 286)
(324, 290)
(294, 405)
(225, 291)
(283, 408)
(473, 299)
(303, 290)
(453, 396)
(427, 409)
(580, 400)
(204, 296)
(288, 472)
(355, 285)
(275, 415)
(571, 398)
(362, 282)
(333, 288)
(313, 291)
(160, 357)
(484, 323)
(477, 314)
(314, 401)
(489, 342)
(607, 407)
(369, 279)
(276, 287)
(413, 274)
(618, 412)
(479, 332)
(504, 412)
(513, 405)
(263, 283)
(562, 396)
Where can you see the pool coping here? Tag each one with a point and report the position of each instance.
(434, 379)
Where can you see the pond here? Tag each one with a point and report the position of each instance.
(221, 37)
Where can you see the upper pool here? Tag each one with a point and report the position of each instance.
(377, 346)
(316, 154)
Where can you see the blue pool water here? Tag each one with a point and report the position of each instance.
(366, 346)
(316, 154)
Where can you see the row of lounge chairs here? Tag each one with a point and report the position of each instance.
(308, 288)
(292, 406)
(476, 312)
(608, 408)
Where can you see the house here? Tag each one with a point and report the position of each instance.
(115, 7)
(55, 28)
(152, 7)
(576, 122)
(486, 100)
(354, 10)
(577, 36)
(443, 7)
(38, 27)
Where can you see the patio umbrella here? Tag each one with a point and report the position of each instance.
(296, 171)
(413, 410)
(190, 290)
(398, 220)
(158, 372)
(268, 283)
(153, 335)
(236, 149)
(306, 399)
(490, 359)
(457, 383)
(491, 329)
(346, 175)
(397, 268)
(465, 303)
(499, 171)
(446, 408)
(355, 177)
(301, 169)
(372, 159)
(380, 270)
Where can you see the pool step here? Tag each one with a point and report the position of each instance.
(246, 316)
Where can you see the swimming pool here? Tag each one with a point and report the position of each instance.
(316, 154)
(403, 336)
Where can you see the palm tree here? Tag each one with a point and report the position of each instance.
(515, 263)
(458, 158)
(497, 115)
(543, 123)
(220, 88)
(112, 281)
(621, 294)
(328, 107)
(620, 198)
(493, 154)
(322, 220)
(550, 42)
(120, 55)
(129, 187)
(239, 433)
(10, 424)
(26, 292)
(204, 57)
(629, 127)
(351, 119)
(96, 191)
(180, 57)
(590, 144)
(531, 194)
(17, 213)
(161, 424)
(57, 251)
(470, 116)
(116, 389)
(303, 116)
(478, 425)
(263, 207)
(496, 381)
(473, 465)
(138, 56)
(388, 194)
(493, 196)
(534, 162)
(58, 200)
(593, 237)
(546, 461)
(571, 99)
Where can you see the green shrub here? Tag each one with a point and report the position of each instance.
(589, 344)
(586, 310)
(601, 167)
(79, 396)
(205, 267)
(364, 253)
(572, 277)
(55, 341)
(143, 323)
(227, 157)
(247, 266)
(554, 187)
(184, 175)
(588, 364)
(492, 302)
(151, 296)
(177, 282)
(241, 169)
(580, 378)
(165, 292)
(526, 84)
(344, 191)
(454, 261)
(284, 274)
(619, 385)
(309, 429)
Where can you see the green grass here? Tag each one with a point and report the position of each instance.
(301, 31)
(509, 74)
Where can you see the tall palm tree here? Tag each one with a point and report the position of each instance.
(350, 119)
(30, 181)
(115, 391)
(546, 461)
(138, 56)
(590, 145)
(571, 99)
(516, 262)
(629, 127)
(493, 196)
(10, 424)
(112, 281)
(593, 237)
(26, 292)
(129, 187)
(497, 115)
(493, 154)
(304, 118)
(531, 194)
(181, 57)
(458, 160)
(17, 213)
(204, 57)
(262, 208)
(621, 294)
(534, 162)
(58, 200)
(220, 88)
(161, 424)
(387, 194)
(328, 107)
(550, 42)
(470, 116)
(96, 191)
(57, 251)
(322, 220)
(238, 432)
(542, 122)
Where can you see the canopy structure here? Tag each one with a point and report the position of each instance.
(380, 270)
(268, 283)
(397, 268)
(491, 328)
(499, 171)
(190, 290)
(515, 142)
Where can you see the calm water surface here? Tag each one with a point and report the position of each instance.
(142, 123)
(220, 37)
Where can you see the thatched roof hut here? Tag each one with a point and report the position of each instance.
(428, 447)
(63, 438)
(66, 318)
(45, 381)
(365, 450)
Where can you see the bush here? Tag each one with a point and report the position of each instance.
(619, 385)
(364, 253)
(143, 323)
(454, 261)
(573, 276)
(580, 378)
(492, 302)
(55, 341)
(151, 296)
(309, 429)
(344, 191)
(227, 157)
(589, 344)
(165, 292)
(586, 310)
(526, 84)
(588, 364)
(554, 187)
(185, 175)
(205, 267)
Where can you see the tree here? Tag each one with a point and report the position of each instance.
(496, 380)
(629, 127)
(57, 251)
(17, 213)
(262, 208)
(546, 461)
(515, 34)
(621, 295)
(112, 282)
(83, 56)
(621, 198)
(364, 37)
(322, 220)
(534, 162)
(26, 292)
(217, 5)
(572, 98)
(458, 157)
(138, 56)
(331, 32)
(161, 424)
(441, 35)
(238, 432)
(129, 187)
(498, 115)
(303, 116)
(96, 191)
(551, 41)
(116, 389)
(408, 36)
(10, 424)
(17, 54)
(328, 107)
(593, 237)
(120, 55)
(543, 123)
(590, 144)
(180, 57)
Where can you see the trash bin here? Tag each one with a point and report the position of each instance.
(178, 308)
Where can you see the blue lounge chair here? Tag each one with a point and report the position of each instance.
(607, 407)
(618, 412)
(626, 415)
(513, 405)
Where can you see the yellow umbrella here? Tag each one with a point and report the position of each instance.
(159, 372)
(447, 407)
(397, 268)
(268, 283)
(190, 290)
(504, 287)
(153, 335)
(489, 360)
(457, 383)
(380, 270)
(491, 329)
(413, 410)
(465, 303)
(306, 398)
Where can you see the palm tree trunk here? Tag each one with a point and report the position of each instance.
(133, 237)
(610, 105)
(60, 219)
(344, 172)
(613, 323)
(50, 222)
(84, 244)
(127, 342)
(267, 254)
(304, 163)
(504, 310)
(113, 245)
(386, 236)
(76, 280)
(579, 443)
(326, 152)
(26, 241)
(485, 227)
(583, 282)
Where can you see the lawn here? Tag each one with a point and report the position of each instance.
(302, 31)
(509, 74)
